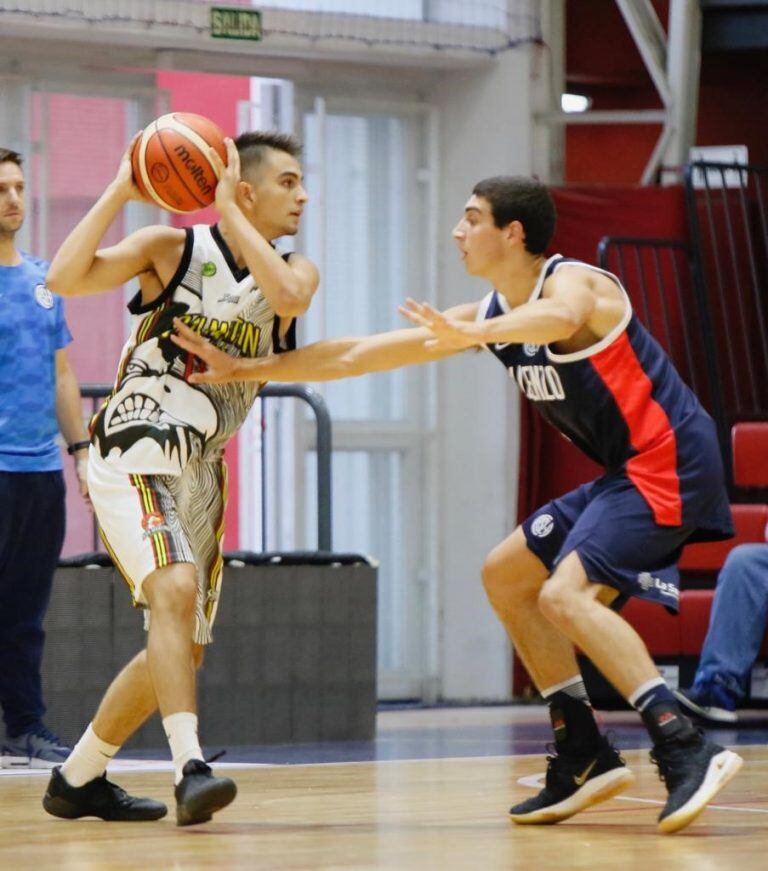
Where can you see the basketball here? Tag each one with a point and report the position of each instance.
(170, 161)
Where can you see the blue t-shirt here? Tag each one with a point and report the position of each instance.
(32, 329)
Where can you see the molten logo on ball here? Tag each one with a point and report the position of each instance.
(159, 172)
(195, 170)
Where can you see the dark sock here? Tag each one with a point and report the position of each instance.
(574, 724)
(662, 715)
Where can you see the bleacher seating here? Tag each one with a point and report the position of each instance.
(749, 442)
(749, 522)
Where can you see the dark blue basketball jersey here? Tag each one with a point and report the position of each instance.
(622, 402)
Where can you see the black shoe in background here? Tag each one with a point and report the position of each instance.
(199, 794)
(98, 798)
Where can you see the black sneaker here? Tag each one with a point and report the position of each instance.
(573, 783)
(694, 770)
(98, 798)
(199, 794)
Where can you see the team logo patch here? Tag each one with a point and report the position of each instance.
(159, 172)
(645, 579)
(43, 296)
(530, 350)
(154, 523)
(543, 525)
(209, 269)
(646, 582)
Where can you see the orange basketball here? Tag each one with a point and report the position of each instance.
(170, 161)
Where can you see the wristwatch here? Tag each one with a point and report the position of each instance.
(77, 446)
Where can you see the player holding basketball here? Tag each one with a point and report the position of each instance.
(567, 334)
(156, 475)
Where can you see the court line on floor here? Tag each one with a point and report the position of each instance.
(139, 766)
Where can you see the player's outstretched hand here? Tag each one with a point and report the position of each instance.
(449, 334)
(229, 175)
(221, 367)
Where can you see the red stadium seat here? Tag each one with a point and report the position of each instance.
(695, 606)
(750, 454)
(750, 522)
(657, 627)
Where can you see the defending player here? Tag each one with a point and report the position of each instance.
(156, 474)
(567, 333)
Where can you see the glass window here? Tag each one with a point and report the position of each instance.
(361, 239)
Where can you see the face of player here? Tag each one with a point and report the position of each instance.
(482, 244)
(11, 198)
(278, 195)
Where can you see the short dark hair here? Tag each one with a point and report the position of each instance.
(8, 155)
(515, 198)
(254, 146)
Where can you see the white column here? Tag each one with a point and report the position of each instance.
(683, 72)
(485, 130)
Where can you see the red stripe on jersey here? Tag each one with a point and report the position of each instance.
(654, 470)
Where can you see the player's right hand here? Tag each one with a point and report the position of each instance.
(222, 368)
(124, 182)
(229, 175)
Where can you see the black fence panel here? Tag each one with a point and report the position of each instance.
(660, 277)
(728, 215)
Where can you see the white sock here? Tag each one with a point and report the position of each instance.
(181, 731)
(88, 759)
(573, 687)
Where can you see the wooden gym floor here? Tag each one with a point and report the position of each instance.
(426, 806)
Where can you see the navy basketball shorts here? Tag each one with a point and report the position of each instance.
(611, 527)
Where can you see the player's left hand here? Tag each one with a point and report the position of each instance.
(449, 334)
(221, 367)
(81, 470)
(229, 175)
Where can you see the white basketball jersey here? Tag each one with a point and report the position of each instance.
(155, 422)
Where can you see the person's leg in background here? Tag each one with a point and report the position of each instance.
(737, 627)
(31, 538)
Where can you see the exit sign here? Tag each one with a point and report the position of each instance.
(228, 23)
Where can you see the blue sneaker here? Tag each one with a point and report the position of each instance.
(714, 704)
(37, 749)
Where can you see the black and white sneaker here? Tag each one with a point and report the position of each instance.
(716, 706)
(98, 798)
(694, 770)
(199, 794)
(573, 783)
(39, 748)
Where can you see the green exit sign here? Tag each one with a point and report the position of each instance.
(229, 23)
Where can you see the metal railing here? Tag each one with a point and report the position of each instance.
(728, 218)
(323, 443)
(663, 282)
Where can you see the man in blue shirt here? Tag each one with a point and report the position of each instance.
(39, 396)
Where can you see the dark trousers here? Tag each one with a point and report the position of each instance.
(31, 537)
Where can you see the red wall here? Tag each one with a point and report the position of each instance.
(602, 62)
